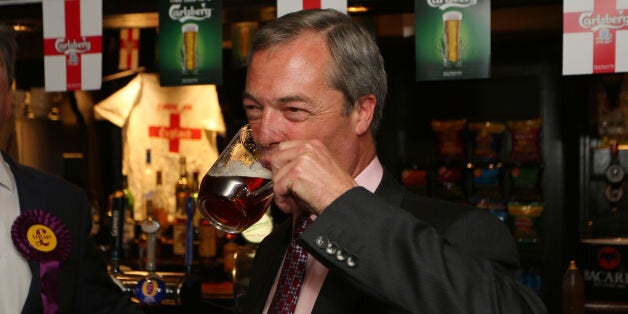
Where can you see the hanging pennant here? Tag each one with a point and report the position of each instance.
(287, 6)
(595, 36)
(129, 48)
(72, 44)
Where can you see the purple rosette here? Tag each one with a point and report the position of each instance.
(43, 238)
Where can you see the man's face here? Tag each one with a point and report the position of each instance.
(5, 93)
(287, 97)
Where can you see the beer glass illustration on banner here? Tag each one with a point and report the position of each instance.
(451, 43)
(237, 189)
(189, 54)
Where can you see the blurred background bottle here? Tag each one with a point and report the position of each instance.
(128, 236)
(183, 189)
(160, 210)
(573, 290)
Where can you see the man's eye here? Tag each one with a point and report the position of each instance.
(252, 111)
(296, 114)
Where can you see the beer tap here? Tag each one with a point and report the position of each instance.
(189, 287)
(151, 290)
(614, 174)
(117, 225)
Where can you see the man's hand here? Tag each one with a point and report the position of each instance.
(306, 176)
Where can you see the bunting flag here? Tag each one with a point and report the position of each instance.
(72, 44)
(595, 36)
(287, 6)
(129, 48)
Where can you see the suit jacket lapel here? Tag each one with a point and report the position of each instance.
(271, 257)
(390, 189)
(26, 187)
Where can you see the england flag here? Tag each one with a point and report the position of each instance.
(595, 36)
(287, 6)
(72, 44)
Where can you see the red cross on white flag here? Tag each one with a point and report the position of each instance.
(174, 133)
(129, 48)
(287, 6)
(595, 36)
(72, 44)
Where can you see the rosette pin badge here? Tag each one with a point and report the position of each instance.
(43, 238)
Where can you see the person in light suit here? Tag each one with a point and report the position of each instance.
(54, 266)
(314, 95)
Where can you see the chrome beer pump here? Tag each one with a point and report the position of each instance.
(150, 287)
(614, 175)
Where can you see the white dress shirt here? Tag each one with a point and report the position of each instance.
(315, 272)
(16, 274)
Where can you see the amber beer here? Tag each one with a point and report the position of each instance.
(237, 189)
(231, 202)
(451, 23)
(190, 35)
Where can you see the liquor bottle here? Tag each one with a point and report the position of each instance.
(228, 252)
(182, 193)
(148, 186)
(128, 234)
(160, 201)
(573, 290)
(207, 240)
(194, 193)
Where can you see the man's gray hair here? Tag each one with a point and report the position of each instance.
(8, 46)
(358, 68)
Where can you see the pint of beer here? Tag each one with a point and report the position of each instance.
(237, 189)
(190, 34)
(451, 24)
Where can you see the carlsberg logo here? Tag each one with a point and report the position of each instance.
(598, 21)
(176, 12)
(72, 46)
(444, 4)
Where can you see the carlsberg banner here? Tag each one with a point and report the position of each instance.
(453, 39)
(190, 42)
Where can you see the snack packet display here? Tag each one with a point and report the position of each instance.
(450, 139)
(525, 138)
(450, 183)
(526, 221)
(486, 141)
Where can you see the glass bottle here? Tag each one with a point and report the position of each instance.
(160, 201)
(573, 290)
(148, 186)
(182, 193)
(128, 233)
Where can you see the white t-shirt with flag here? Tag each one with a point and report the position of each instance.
(171, 121)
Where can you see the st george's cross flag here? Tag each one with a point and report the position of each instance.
(287, 6)
(595, 36)
(129, 48)
(72, 44)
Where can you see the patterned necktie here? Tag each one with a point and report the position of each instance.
(292, 273)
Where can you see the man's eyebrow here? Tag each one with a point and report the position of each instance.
(282, 100)
(246, 95)
(294, 98)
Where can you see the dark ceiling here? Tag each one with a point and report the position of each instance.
(234, 10)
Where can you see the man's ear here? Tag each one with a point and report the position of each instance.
(365, 109)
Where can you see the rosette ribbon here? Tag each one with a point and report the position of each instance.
(43, 238)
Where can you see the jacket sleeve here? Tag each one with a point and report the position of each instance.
(389, 254)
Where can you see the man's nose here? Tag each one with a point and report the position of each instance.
(270, 132)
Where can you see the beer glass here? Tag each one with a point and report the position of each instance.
(236, 191)
(451, 38)
(190, 35)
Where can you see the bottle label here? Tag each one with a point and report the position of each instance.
(178, 239)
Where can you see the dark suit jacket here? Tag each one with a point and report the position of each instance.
(84, 286)
(396, 252)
